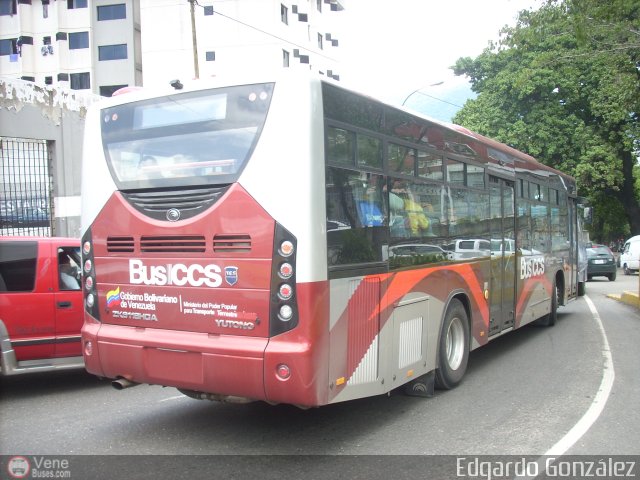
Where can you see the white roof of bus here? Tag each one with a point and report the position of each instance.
(143, 93)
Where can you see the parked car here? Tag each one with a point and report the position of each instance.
(601, 262)
(8, 217)
(468, 248)
(407, 254)
(35, 217)
(630, 256)
(28, 217)
(41, 309)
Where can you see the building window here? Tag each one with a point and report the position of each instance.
(112, 12)
(48, 80)
(211, 56)
(320, 44)
(25, 40)
(8, 7)
(107, 90)
(112, 52)
(45, 8)
(28, 79)
(46, 40)
(319, 5)
(71, 4)
(8, 46)
(80, 81)
(63, 77)
(78, 40)
(284, 14)
(285, 58)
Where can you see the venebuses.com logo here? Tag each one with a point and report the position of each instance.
(38, 467)
(18, 467)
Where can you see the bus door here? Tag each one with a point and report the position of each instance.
(577, 243)
(502, 290)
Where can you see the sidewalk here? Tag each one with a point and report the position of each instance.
(630, 298)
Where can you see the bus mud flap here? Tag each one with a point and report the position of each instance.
(422, 386)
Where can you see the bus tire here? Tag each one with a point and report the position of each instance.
(550, 319)
(582, 289)
(453, 351)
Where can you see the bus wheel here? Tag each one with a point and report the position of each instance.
(550, 319)
(582, 289)
(453, 353)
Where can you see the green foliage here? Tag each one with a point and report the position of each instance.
(563, 85)
(356, 248)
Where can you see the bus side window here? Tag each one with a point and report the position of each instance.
(415, 210)
(356, 217)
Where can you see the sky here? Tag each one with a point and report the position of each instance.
(394, 48)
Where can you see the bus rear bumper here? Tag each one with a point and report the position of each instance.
(223, 365)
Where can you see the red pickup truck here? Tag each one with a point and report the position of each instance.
(40, 304)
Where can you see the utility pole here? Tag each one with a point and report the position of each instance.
(194, 38)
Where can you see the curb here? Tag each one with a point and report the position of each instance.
(630, 298)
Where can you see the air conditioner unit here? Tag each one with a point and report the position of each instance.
(44, 51)
(50, 49)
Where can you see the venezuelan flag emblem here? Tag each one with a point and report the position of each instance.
(113, 296)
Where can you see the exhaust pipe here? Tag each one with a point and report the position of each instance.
(122, 383)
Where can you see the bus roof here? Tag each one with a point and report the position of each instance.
(510, 156)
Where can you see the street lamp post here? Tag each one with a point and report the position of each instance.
(417, 90)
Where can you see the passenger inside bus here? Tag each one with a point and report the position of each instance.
(409, 216)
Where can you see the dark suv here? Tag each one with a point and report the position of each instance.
(601, 262)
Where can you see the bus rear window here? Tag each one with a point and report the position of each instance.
(184, 139)
(177, 112)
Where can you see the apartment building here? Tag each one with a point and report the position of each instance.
(238, 35)
(102, 45)
(78, 44)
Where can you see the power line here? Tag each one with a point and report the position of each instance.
(265, 32)
(430, 96)
(439, 99)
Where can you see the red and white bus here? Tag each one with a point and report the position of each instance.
(288, 240)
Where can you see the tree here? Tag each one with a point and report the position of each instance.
(563, 85)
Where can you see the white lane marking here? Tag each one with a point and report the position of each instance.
(177, 397)
(594, 410)
(599, 401)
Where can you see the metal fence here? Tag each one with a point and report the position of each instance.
(26, 185)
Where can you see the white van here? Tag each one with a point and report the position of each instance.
(468, 248)
(629, 258)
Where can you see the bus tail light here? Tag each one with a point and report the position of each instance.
(286, 248)
(285, 291)
(283, 304)
(286, 270)
(285, 313)
(89, 273)
(283, 371)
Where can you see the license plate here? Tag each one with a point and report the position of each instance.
(599, 262)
